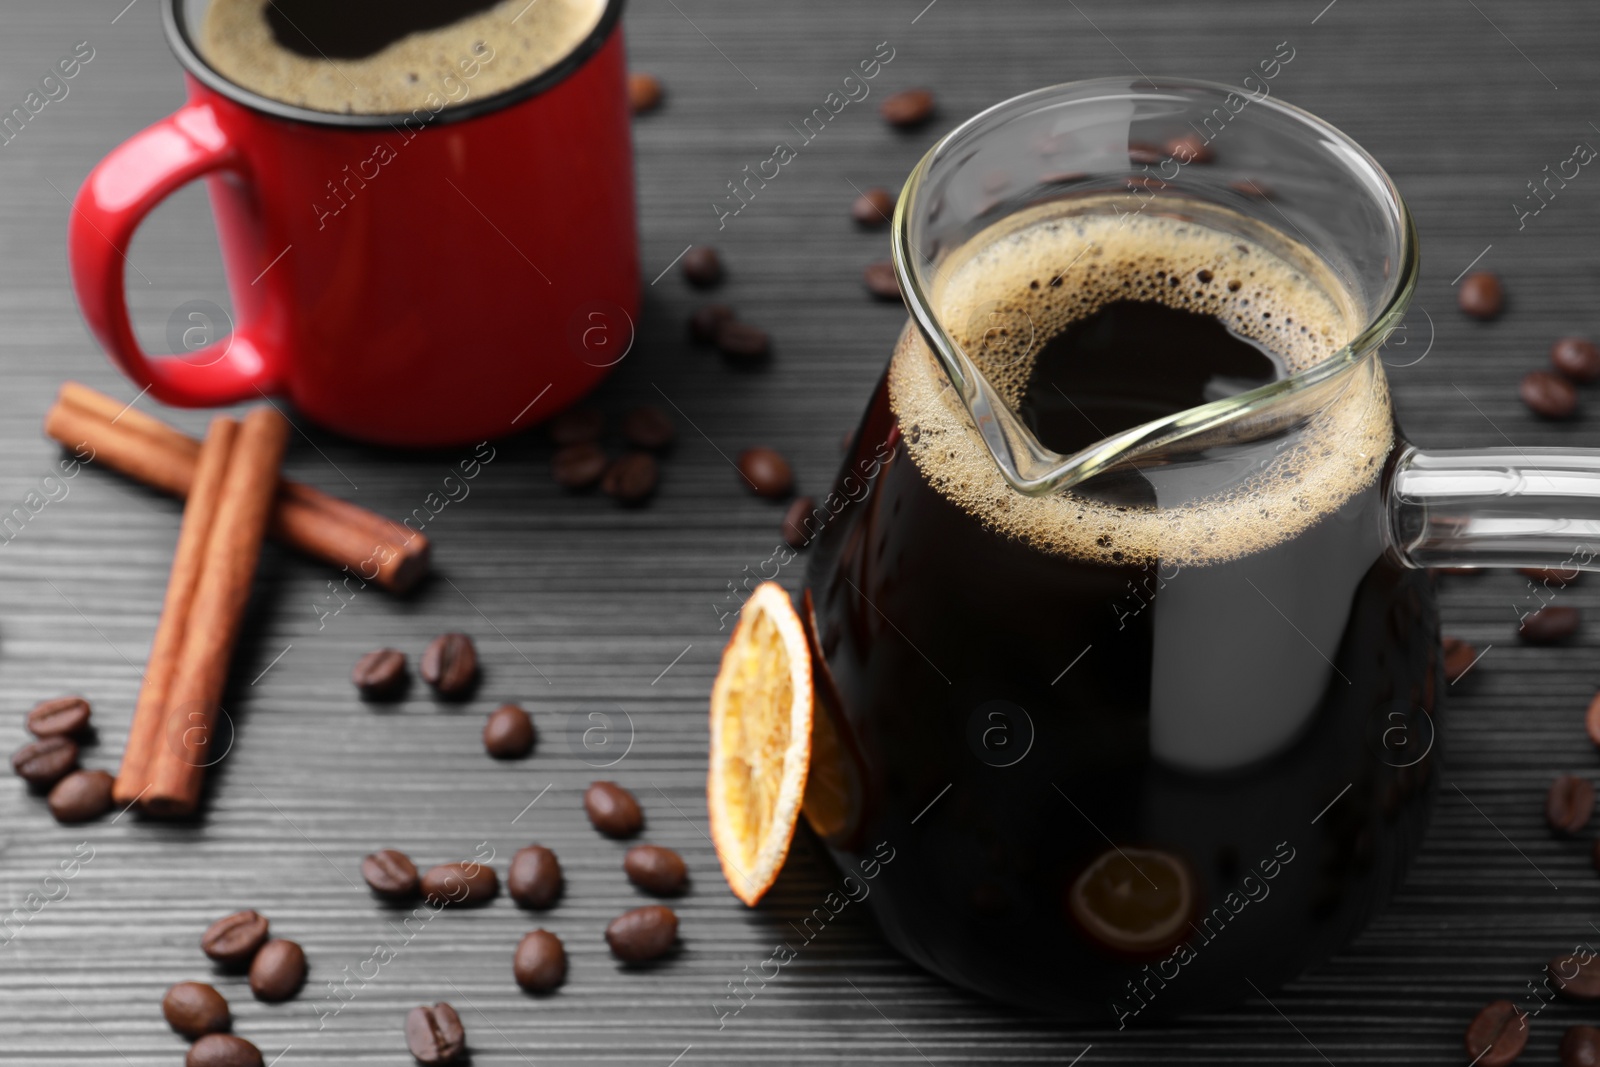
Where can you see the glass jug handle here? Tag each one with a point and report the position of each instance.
(1497, 507)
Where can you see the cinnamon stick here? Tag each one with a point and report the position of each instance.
(372, 547)
(109, 409)
(216, 613)
(199, 514)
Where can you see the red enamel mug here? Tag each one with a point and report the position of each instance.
(419, 279)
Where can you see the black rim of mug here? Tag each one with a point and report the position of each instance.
(183, 47)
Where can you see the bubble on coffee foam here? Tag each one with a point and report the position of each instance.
(524, 40)
(1056, 271)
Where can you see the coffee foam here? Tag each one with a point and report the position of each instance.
(523, 39)
(1056, 270)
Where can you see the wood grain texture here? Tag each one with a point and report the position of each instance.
(579, 606)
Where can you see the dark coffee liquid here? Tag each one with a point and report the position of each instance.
(1119, 789)
(1081, 389)
(389, 57)
(354, 29)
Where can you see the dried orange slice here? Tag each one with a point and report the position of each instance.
(835, 790)
(1134, 900)
(831, 803)
(760, 741)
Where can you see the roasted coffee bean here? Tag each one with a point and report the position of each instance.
(233, 939)
(1458, 657)
(1592, 721)
(1191, 148)
(534, 880)
(380, 674)
(195, 1009)
(1580, 1047)
(508, 733)
(1550, 624)
(61, 717)
(578, 466)
(450, 665)
(1569, 804)
(1496, 1035)
(577, 426)
(742, 342)
(81, 796)
(278, 971)
(46, 761)
(1577, 976)
(795, 532)
(1548, 394)
(655, 869)
(702, 266)
(540, 962)
(632, 479)
(1046, 144)
(873, 208)
(642, 934)
(391, 873)
(766, 472)
(648, 427)
(465, 884)
(1577, 358)
(880, 280)
(644, 92)
(435, 1034)
(222, 1050)
(1062, 177)
(1554, 577)
(1482, 295)
(1141, 154)
(907, 108)
(612, 809)
(703, 324)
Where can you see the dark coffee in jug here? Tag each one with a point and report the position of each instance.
(1141, 742)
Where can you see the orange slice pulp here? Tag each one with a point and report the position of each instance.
(1134, 900)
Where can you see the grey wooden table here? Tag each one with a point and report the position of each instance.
(582, 607)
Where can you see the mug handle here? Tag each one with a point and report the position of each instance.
(115, 198)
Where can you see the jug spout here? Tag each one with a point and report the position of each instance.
(1071, 160)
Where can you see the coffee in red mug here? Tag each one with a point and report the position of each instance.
(427, 219)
